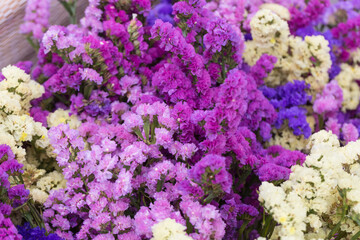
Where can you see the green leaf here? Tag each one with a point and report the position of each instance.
(147, 128)
(356, 236)
(87, 91)
(334, 230)
(160, 183)
(189, 226)
(138, 133)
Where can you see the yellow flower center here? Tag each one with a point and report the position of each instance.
(282, 219)
(62, 120)
(23, 136)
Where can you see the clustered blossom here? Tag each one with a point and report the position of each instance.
(36, 18)
(12, 196)
(301, 17)
(184, 119)
(349, 35)
(316, 190)
(297, 59)
(288, 99)
(330, 100)
(37, 233)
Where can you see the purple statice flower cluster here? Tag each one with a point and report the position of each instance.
(174, 123)
(12, 196)
(288, 99)
(340, 12)
(329, 102)
(36, 18)
(301, 17)
(349, 34)
(345, 125)
(161, 11)
(7, 229)
(171, 122)
(37, 233)
(280, 159)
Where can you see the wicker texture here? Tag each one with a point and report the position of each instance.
(13, 45)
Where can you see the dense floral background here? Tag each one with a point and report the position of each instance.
(184, 120)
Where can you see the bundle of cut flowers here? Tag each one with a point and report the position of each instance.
(184, 120)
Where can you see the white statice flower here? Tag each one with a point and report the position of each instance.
(350, 227)
(351, 152)
(13, 74)
(306, 206)
(268, 28)
(18, 127)
(286, 138)
(7, 138)
(351, 91)
(21, 127)
(319, 49)
(314, 221)
(297, 59)
(53, 180)
(286, 209)
(321, 234)
(322, 141)
(356, 208)
(280, 10)
(355, 169)
(10, 103)
(38, 195)
(32, 174)
(169, 229)
(62, 116)
(355, 55)
(17, 82)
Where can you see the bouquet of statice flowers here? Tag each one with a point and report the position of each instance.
(184, 120)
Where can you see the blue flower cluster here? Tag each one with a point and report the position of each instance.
(287, 100)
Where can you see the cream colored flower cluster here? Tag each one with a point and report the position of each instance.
(17, 127)
(169, 229)
(287, 139)
(346, 79)
(17, 90)
(62, 116)
(298, 59)
(310, 203)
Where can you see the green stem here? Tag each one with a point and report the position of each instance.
(223, 73)
(321, 122)
(34, 45)
(356, 236)
(152, 130)
(62, 99)
(242, 229)
(19, 207)
(209, 198)
(341, 235)
(38, 219)
(147, 129)
(267, 226)
(70, 7)
(87, 90)
(138, 133)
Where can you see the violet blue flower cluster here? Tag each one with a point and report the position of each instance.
(288, 99)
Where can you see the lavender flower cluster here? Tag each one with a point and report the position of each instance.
(164, 117)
